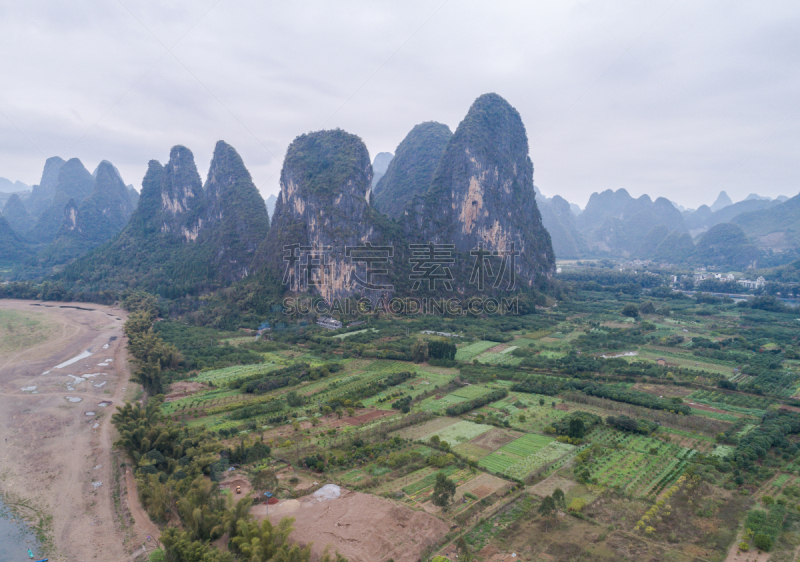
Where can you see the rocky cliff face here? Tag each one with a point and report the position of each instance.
(482, 193)
(96, 220)
(323, 208)
(235, 220)
(181, 194)
(410, 172)
(42, 194)
(74, 182)
(181, 234)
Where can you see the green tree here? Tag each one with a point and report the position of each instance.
(547, 509)
(265, 480)
(443, 491)
(419, 351)
(577, 429)
(558, 499)
(630, 310)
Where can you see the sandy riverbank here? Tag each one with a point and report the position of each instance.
(63, 372)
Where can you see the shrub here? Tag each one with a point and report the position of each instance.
(744, 547)
(763, 542)
(576, 505)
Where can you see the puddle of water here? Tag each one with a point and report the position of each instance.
(92, 375)
(105, 346)
(104, 403)
(95, 426)
(75, 359)
(28, 388)
(96, 484)
(15, 538)
(101, 385)
(89, 413)
(78, 380)
(73, 399)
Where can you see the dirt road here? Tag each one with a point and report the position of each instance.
(61, 377)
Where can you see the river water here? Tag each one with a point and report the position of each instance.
(15, 538)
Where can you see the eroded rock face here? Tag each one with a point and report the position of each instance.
(411, 171)
(181, 194)
(236, 220)
(182, 233)
(482, 194)
(323, 207)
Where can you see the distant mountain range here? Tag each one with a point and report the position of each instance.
(67, 214)
(469, 190)
(8, 186)
(186, 237)
(614, 224)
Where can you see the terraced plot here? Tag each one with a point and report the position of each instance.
(220, 377)
(637, 464)
(524, 455)
(468, 352)
(498, 358)
(440, 404)
(460, 432)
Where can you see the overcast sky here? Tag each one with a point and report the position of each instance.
(673, 98)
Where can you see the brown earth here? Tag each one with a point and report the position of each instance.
(363, 528)
(547, 486)
(708, 408)
(482, 486)
(421, 431)
(663, 390)
(56, 459)
(181, 389)
(369, 416)
(495, 438)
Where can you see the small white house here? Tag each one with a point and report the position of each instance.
(329, 323)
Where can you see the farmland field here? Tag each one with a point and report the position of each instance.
(470, 351)
(460, 432)
(524, 455)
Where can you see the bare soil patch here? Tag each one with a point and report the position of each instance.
(369, 416)
(663, 390)
(419, 431)
(547, 487)
(363, 528)
(495, 438)
(55, 458)
(182, 389)
(482, 486)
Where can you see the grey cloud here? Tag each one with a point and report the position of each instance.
(702, 101)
